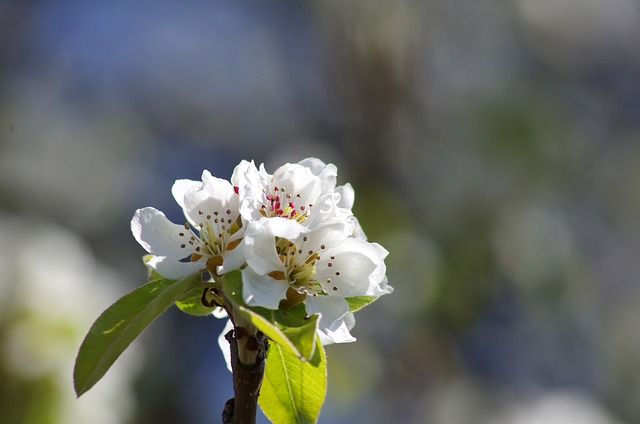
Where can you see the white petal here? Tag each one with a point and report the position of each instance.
(245, 174)
(328, 234)
(326, 173)
(335, 319)
(378, 282)
(314, 164)
(180, 189)
(259, 243)
(339, 335)
(221, 189)
(298, 181)
(231, 260)
(171, 268)
(347, 196)
(262, 290)
(284, 228)
(220, 313)
(355, 268)
(350, 321)
(250, 182)
(381, 250)
(224, 344)
(332, 310)
(380, 289)
(158, 235)
(215, 195)
(326, 209)
(357, 232)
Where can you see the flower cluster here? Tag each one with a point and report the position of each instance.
(291, 233)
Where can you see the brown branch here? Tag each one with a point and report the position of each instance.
(247, 379)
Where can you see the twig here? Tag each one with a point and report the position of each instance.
(247, 379)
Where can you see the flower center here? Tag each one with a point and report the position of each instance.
(278, 203)
(300, 266)
(211, 236)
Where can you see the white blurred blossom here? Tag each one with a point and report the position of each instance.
(50, 289)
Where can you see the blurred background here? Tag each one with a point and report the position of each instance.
(494, 147)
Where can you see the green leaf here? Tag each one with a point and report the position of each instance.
(293, 391)
(358, 302)
(191, 304)
(290, 328)
(298, 341)
(121, 323)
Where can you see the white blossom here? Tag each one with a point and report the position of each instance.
(288, 263)
(208, 237)
(304, 192)
(292, 233)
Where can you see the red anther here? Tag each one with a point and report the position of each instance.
(236, 189)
